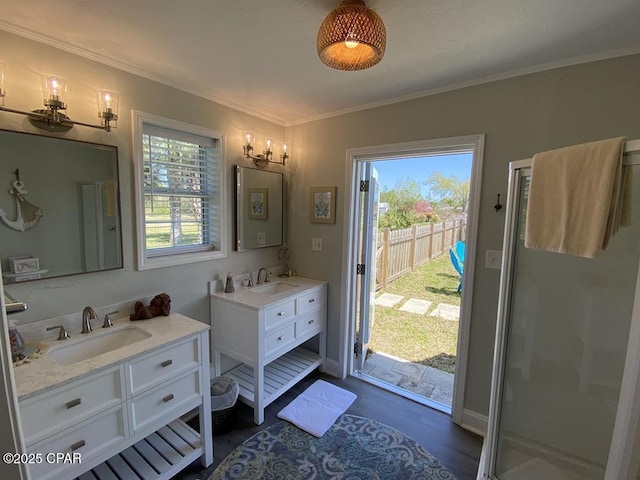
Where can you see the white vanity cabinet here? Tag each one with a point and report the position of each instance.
(125, 418)
(265, 333)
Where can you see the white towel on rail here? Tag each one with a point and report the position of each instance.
(575, 198)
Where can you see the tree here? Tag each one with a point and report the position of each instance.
(403, 196)
(448, 191)
(401, 200)
(424, 211)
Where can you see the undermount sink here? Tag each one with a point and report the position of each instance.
(95, 344)
(272, 288)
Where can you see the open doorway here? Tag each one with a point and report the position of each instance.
(412, 239)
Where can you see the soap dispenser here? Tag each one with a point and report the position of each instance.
(229, 288)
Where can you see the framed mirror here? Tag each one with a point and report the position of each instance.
(59, 207)
(259, 207)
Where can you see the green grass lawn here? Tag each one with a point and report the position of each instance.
(420, 338)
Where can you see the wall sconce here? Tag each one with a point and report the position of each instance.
(263, 159)
(51, 117)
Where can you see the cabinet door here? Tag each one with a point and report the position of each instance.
(279, 338)
(47, 413)
(158, 367)
(88, 439)
(311, 301)
(279, 313)
(164, 401)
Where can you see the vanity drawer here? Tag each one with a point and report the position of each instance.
(310, 301)
(88, 439)
(278, 313)
(62, 407)
(280, 337)
(158, 403)
(309, 323)
(154, 369)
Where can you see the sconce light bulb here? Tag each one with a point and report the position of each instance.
(2, 93)
(55, 86)
(284, 147)
(268, 142)
(248, 137)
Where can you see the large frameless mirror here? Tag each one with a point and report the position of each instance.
(59, 207)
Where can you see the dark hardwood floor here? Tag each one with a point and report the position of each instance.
(454, 447)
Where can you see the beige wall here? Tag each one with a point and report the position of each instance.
(186, 284)
(520, 116)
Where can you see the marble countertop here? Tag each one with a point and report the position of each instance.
(248, 297)
(43, 373)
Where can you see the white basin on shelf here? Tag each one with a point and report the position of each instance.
(96, 343)
(272, 288)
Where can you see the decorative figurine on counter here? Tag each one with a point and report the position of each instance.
(160, 305)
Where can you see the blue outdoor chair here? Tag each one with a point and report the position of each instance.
(461, 248)
(458, 265)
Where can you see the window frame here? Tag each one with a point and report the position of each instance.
(146, 259)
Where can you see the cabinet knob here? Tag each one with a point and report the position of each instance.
(166, 363)
(311, 300)
(281, 313)
(73, 403)
(78, 445)
(310, 321)
(280, 338)
(168, 398)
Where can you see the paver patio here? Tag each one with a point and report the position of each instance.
(426, 381)
(388, 300)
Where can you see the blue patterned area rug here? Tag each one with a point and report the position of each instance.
(354, 448)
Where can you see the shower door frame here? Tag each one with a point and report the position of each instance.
(628, 413)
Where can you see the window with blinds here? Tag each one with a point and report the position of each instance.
(179, 176)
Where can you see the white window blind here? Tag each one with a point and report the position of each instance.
(180, 176)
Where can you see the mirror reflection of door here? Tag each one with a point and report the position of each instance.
(99, 225)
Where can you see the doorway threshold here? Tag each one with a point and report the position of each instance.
(428, 402)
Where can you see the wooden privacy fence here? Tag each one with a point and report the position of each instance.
(401, 251)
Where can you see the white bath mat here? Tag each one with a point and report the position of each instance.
(318, 407)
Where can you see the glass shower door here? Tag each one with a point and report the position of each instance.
(566, 340)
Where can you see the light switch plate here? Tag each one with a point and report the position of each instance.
(494, 259)
(316, 244)
(262, 238)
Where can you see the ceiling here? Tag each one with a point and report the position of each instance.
(260, 56)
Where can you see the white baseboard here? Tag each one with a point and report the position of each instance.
(474, 422)
(331, 367)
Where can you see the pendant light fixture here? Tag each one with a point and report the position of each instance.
(351, 37)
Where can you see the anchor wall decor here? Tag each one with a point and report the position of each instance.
(27, 215)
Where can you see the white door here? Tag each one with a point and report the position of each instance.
(366, 270)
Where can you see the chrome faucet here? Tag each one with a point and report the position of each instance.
(88, 314)
(266, 275)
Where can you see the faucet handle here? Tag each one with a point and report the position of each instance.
(250, 283)
(107, 319)
(267, 277)
(62, 334)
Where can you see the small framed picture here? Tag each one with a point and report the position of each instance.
(322, 204)
(258, 203)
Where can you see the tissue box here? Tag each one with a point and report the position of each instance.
(24, 264)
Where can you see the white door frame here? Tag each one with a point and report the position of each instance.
(473, 143)
(13, 440)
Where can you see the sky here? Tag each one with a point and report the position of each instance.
(419, 169)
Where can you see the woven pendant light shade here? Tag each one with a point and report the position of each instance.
(352, 37)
